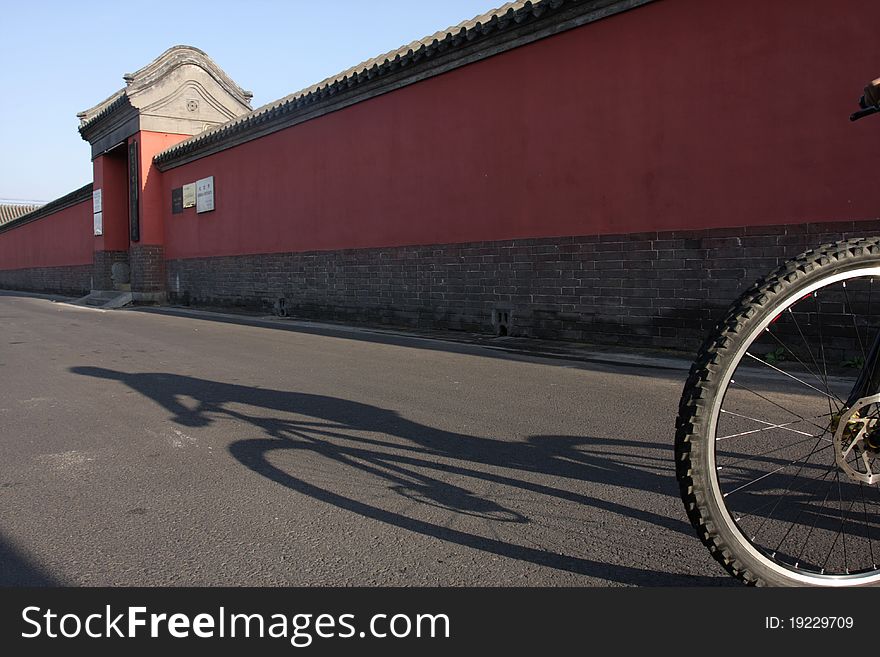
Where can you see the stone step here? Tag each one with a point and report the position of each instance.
(106, 299)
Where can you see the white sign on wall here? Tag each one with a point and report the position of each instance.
(205, 194)
(189, 195)
(98, 211)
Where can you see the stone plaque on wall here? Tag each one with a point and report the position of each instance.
(98, 212)
(177, 200)
(189, 195)
(205, 194)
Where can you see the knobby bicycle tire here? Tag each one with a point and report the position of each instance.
(731, 348)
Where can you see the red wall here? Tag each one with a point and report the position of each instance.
(111, 177)
(680, 114)
(154, 201)
(60, 239)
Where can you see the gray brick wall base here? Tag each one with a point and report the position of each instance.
(147, 272)
(74, 280)
(656, 289)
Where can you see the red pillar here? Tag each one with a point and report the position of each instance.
(110, 177)
(147, 250)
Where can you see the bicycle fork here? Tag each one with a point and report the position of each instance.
(856, 427)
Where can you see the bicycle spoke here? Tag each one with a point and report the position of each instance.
(787, 410)
(785, 425)
(855, 324)
(821, 339)
(794, 523)
(791, 376)
(824, 382)
(867, 326)
(842, 524)
(764, 476)
(839, 533)
(813, 526)
(867, 524)
(754, 457)
(785, 492)
(778, 498)
(812, 357)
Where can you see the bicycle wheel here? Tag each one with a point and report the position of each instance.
(779, 475)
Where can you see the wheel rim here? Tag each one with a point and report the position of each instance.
(775, 469)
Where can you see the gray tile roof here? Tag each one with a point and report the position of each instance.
(507, 10)
(101, 109)
(494, 25)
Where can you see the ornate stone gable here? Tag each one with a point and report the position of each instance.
(182, 91)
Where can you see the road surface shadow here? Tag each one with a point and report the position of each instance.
(427, 466)
(17, 570)
(663, 364)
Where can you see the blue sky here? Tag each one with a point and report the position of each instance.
(59, 58)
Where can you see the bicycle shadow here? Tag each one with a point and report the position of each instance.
(426, 466)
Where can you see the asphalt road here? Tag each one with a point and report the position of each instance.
(141, 448)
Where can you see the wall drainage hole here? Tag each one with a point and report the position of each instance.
(501, 320)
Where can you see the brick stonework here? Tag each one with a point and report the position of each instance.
(650, 289)
(73, 281)
(147, 269)
(104, 261)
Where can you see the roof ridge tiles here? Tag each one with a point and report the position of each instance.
(516, 13)
(80, 195)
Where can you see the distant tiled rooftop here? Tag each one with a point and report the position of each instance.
(37, 210)
(10, 210)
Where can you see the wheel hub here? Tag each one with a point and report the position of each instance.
(856, 437)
